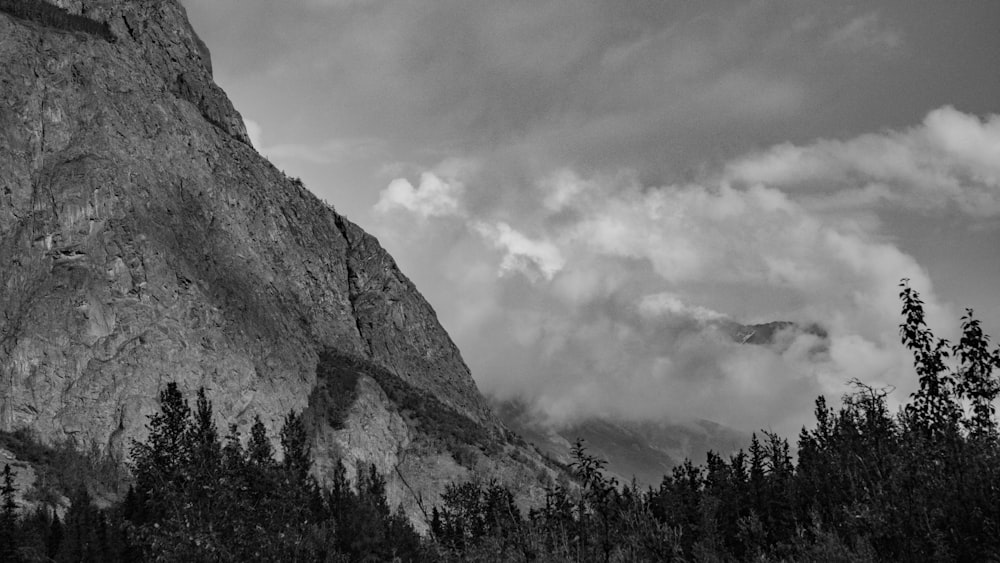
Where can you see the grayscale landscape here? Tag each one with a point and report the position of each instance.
(565, 280)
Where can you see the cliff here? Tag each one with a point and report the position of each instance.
(144, 240)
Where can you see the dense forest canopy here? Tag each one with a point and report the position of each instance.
(922, 484)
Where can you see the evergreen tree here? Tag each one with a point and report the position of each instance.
(259, 450)
(8, 518)
(55, 537)
(295, 447)
(80, 541)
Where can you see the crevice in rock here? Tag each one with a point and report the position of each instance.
(352, 294)
(417, 497)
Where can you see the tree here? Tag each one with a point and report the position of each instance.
(934, 408)
(8, 517)
(259, 450)
(295, 447)
(975, 375)
(159, 463)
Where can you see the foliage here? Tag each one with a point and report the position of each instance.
(336, 388)
(867, 485)
(61, 468)
(198, 499)
(437, 420)
(53, 16)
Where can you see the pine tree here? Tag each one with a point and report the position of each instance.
(205, 437)
(295, 446)
(8, 517)
(160, 464)
(55, 537)
(80, 541)
(259, 450)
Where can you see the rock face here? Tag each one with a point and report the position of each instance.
(143, 240)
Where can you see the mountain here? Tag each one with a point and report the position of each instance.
(144, 240)
(646, 450)
(776, 334)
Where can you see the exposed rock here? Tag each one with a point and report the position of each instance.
(24, 478)
(144, 241)
(776, 334)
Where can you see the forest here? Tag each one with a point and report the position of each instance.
(867, 484)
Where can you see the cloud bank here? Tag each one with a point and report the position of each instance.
(586, 189)
(597, 294)
(950, 159)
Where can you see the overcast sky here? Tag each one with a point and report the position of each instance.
(582, 188)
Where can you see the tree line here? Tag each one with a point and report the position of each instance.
(196, 496)
(867, 484)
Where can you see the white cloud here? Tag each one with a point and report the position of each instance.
(522, 253)
(951, 158)
(669, 304)
(438, 194)
(433, 196)
(607, 324)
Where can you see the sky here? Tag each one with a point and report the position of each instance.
(585, 190)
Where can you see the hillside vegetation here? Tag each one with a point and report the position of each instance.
(922, 484)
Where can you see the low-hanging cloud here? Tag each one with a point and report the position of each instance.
(624, 287)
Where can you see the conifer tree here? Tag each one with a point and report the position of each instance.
(55, 537)
(259, 450)
(8, 517)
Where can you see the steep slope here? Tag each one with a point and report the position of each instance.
(644, 450)
(144, 240)
(650, 449)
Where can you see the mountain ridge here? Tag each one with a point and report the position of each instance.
(149, 242)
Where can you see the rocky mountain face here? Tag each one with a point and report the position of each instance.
(143, 240)
(776, 334)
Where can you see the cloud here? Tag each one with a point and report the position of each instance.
(623, 285)
(952, 158)
(329, 151)
(332, 150)
(865, 33)
(432, 197)
(667, 304)
(522, 253)
(614, 194)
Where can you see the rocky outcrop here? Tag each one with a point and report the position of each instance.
(144, 240)
(24, 477)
